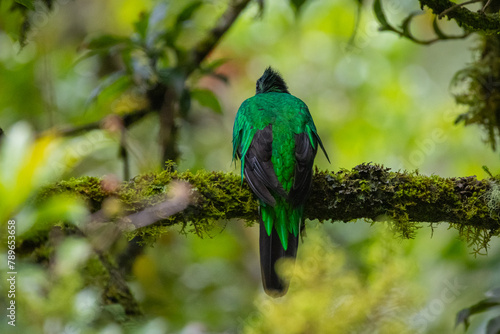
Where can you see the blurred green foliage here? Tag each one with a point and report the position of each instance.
(329, 296)
(381, 99)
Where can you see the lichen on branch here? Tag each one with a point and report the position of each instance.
(465, 18)
(368, 191)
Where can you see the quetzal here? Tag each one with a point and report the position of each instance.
(275, 137)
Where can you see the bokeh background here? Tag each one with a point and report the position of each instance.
(374, 97)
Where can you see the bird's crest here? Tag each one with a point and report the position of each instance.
(271, 81)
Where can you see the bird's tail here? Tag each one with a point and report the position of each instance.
(271, 250)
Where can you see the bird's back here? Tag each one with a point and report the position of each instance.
(275, 138)
(288, 116)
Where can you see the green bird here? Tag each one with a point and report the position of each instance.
(276, 140)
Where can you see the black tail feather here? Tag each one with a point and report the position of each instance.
(271, 250)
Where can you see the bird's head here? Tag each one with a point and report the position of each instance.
(271, 81)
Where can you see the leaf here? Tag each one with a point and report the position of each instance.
(144, 73)
(297, 5)
(185, 102)
(463, 317)
(493, 326)
(187, 12)
(156, 19)
(260, 3)
(482, 306)
(220, 77)
(118, 79)
(26, 3)
(172, 77)
(43, 215)
(210, 68)
(141, 26)
(207, 99)
(106, 42)
(215, 64)
(30, 165)
(379, 13)
(171, 35)
(487, 170)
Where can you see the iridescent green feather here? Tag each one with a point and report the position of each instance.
(284, 112)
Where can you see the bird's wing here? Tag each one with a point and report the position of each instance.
(321, 144)
(240, 129)
(259, 170)
(313, 134)
(243, 133)
(305, 152)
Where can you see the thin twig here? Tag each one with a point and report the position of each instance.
(469, 20)
(197, 55)
(207, 44)
(181, 192)
(128, 120)
(169, 109)
(103, 233)
(124, 153)
(485, 6)
(443, 13)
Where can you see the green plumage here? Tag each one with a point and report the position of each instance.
(275, 138)
(289, 116)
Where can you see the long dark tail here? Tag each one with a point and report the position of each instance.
(271, 251)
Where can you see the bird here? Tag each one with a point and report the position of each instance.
(276, 140)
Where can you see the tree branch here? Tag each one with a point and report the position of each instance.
(168, 129)
(480, 22)
(168, 111)
(117, 289)
(207, 44)
(368, 191)
(128, 120)
(167, 108)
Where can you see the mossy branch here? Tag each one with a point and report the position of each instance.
(368, 191)
(471, 21)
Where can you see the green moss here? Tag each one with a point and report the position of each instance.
(476, 86)
(405, 199)
(87, 187)
(94, 272)
(487, 23)
(492, 199)
(42, 253)
(368, 191)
